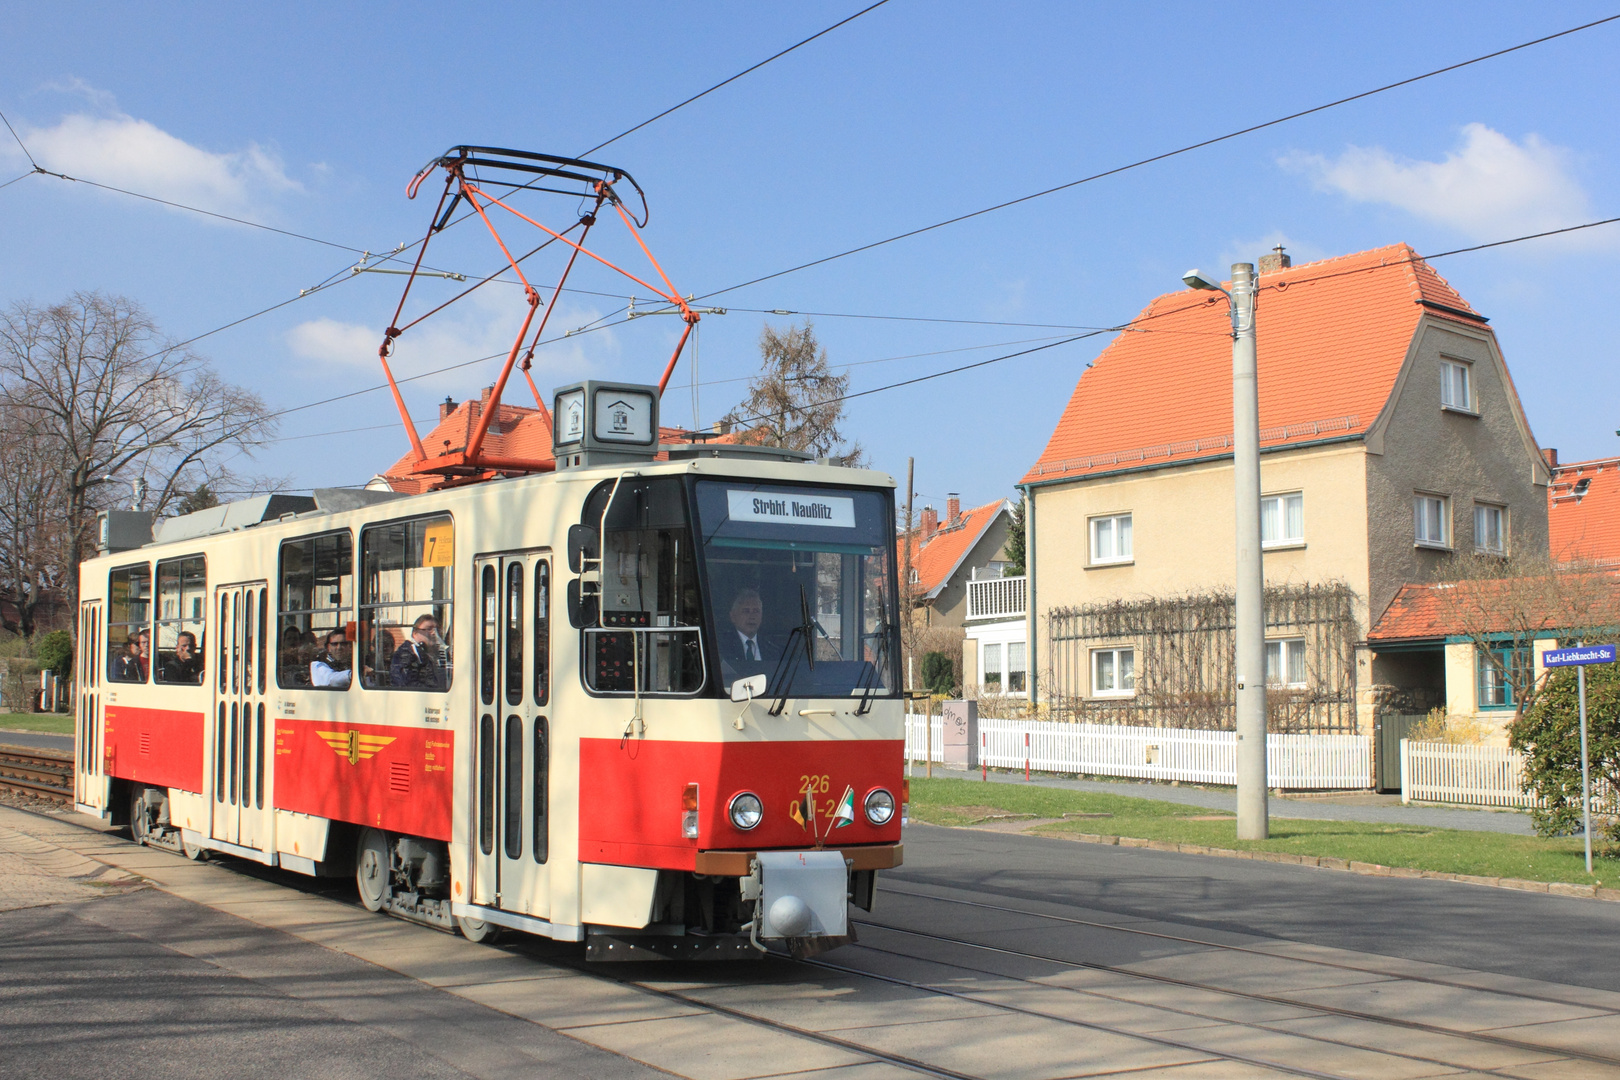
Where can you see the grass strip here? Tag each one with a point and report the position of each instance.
(50, 723)
(1418, 847)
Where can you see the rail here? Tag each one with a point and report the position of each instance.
(43, 774)
(996, 598)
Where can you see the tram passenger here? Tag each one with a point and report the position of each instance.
(143, 652)
(294, 665)
(127, 664)
(746, 645)
(331, 667)
(420, 662)
(186, 666)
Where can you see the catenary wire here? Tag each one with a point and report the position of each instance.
(734, 78)
(20, 143)
(1160, 157)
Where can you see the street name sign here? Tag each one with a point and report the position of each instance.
(1579, 656)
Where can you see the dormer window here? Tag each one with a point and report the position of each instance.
(1457, 386)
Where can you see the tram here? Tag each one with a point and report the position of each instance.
(648, 701)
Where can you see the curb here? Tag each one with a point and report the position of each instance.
(1554, 888)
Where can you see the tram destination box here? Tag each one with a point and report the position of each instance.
(596, 423)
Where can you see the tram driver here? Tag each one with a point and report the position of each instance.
(420, 663)
(745, 645)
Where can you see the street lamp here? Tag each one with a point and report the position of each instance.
(1249, 628)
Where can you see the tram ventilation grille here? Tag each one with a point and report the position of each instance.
(146, 744)
(399, 777)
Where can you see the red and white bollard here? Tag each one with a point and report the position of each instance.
(984, 750)
(1026, 757)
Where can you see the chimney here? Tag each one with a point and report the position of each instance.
(483, 399)
(930, 523)
(1277, 260)
(953, 508)
(1551, 455)
(446, 407)
(722, 427)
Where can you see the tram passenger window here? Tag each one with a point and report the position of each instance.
(129, 635)
(650, 607)
(316, 645)
(405, 604)
(182, 590)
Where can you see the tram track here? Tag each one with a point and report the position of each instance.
(1187, 984)
(42, 774)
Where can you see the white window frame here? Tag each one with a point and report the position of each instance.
(1420, 502)
(985, 651)
(1115, 652)
(1113, 521)
(1282, 501)
(1278, 669)
(1451, 372)
(1482, 511)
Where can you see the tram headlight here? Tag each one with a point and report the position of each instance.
(746, 810)
(879, 806)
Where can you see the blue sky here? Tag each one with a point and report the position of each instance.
(313, 117)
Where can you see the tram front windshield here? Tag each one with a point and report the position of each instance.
(799, 587)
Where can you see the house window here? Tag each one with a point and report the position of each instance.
(992, 668)
(1431, 519)
(1015, 667)
(1497, 671)
(1113, 672)
(1111, 539)
(1456, 385)
(1282, 520)
(1285, 662)
(1490, 529)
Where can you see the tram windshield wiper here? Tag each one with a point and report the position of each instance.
(804, 632)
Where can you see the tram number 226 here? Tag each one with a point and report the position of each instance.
(819, 785)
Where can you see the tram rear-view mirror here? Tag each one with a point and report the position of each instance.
(748, 689)
(583, 543)
(581, 609)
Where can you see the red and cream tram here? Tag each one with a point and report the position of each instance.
(648, 701)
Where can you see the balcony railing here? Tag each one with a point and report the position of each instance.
(996, 598)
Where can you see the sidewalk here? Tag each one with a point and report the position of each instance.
(1348, 806)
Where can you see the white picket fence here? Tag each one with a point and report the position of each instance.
(1473, 775)
(1295, 762)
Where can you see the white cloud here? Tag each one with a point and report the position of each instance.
(1488, 188)
(110, 147)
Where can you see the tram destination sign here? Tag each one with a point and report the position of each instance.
(790, 508)
(1579, 656)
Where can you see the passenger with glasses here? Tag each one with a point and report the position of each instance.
(419, 664)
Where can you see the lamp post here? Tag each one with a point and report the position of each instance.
(1249, 623)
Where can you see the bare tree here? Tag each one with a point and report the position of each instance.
(102, 399)
(1504, 605)
(796, 400)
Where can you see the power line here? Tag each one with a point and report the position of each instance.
(24, 176)
(1161, 157)
(20, 143)
(734, 78)
(1132, 324)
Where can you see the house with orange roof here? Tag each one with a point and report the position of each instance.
(947, 558)
(1583, 511)
(1391, 439)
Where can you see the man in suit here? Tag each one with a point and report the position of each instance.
(743, 645)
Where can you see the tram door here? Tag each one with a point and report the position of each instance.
(238, 732)
(511, 738)
(89, 773)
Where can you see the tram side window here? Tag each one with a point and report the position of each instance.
(182, 592)
(405, 604)
(316, 646)
(129, 616)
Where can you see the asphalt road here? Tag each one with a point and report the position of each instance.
(89, 989)
(36, 738)
(1533, 935)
